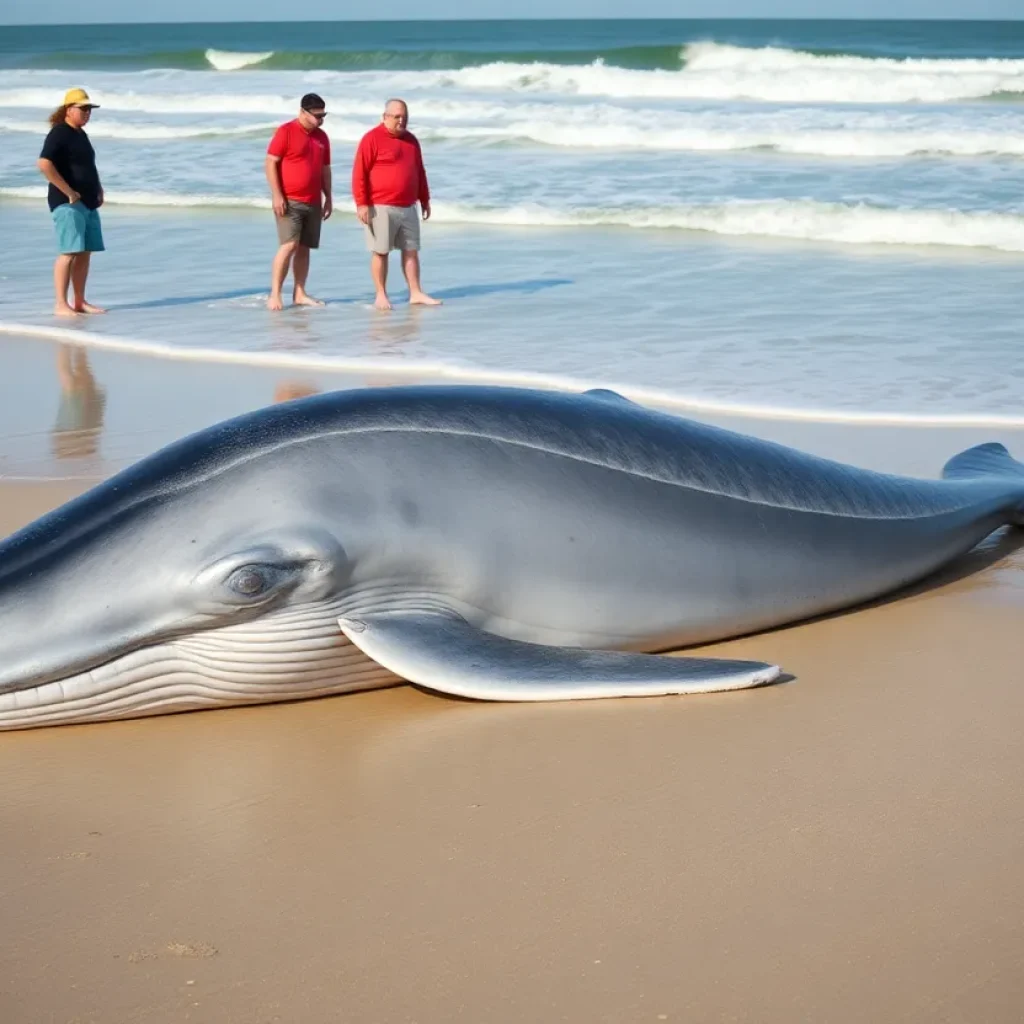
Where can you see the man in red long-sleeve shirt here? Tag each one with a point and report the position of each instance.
(388, 178)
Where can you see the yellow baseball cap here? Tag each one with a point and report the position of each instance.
(78, 98)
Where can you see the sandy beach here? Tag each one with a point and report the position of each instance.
(842, 847)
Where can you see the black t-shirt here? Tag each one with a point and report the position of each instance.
(72, 154)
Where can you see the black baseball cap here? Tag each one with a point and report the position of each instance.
(311, 101)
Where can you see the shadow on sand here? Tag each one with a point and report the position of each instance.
(468, 291)
(189, 300)
(472, 291)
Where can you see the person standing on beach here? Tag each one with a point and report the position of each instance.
(298, 168)
(388, 178)
(68, 162)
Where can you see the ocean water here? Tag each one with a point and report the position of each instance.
(809, 218)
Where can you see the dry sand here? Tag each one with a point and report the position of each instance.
(844, 847)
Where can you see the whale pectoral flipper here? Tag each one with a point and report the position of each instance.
(443, 652)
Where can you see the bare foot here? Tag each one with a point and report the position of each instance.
(423, 299)
(274, 302)
(382, 302)
(64, 310)
(88, 307)
(302, 299)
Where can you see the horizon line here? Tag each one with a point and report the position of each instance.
(463, 21)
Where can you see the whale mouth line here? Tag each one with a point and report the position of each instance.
(83, 668)
(98, 661)
(251, 663)
(262, 635)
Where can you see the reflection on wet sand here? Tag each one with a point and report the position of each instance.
(292, 333)
(76, 432)
(393, 332)
(287, 390)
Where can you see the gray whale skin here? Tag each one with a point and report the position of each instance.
(487, 542)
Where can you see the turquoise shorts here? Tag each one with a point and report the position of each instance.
(78, 228)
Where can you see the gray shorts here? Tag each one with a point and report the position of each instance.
(300, 223)
(393, 227)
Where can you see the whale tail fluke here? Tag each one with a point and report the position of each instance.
(989, 461)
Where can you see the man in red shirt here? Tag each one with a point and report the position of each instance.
(388, 178)
(298, 168)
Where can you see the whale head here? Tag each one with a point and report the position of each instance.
(185, 582)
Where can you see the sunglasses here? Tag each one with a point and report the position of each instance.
(313, 113)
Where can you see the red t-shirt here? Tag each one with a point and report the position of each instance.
(303, 155)
(388, 170)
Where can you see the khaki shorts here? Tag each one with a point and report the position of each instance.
(393, 227)
(300, 223)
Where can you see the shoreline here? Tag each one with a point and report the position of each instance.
(445, 373)
(129, 403)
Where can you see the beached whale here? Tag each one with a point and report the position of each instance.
(493, 543)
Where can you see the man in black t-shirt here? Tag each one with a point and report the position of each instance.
(68, 163)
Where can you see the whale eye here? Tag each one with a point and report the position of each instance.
(249, 581)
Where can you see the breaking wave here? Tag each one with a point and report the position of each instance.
(720, 72)
(801, 131)
(696, 70)
(803, 219)
(229, 60)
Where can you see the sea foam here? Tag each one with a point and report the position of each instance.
(229, 60)
(802, 219)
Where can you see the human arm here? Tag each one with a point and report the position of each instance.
(424, 188)
(326, 178)
(361, 165)
(272, 166)
(49, 171)
(325, 187)
(53, 151)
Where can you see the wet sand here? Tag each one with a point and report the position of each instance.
(843, 847)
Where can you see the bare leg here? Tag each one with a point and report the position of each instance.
(61, 281)
(79, 275)
(278, 272)
(300, 271)
(379, 272)
(411, 269)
